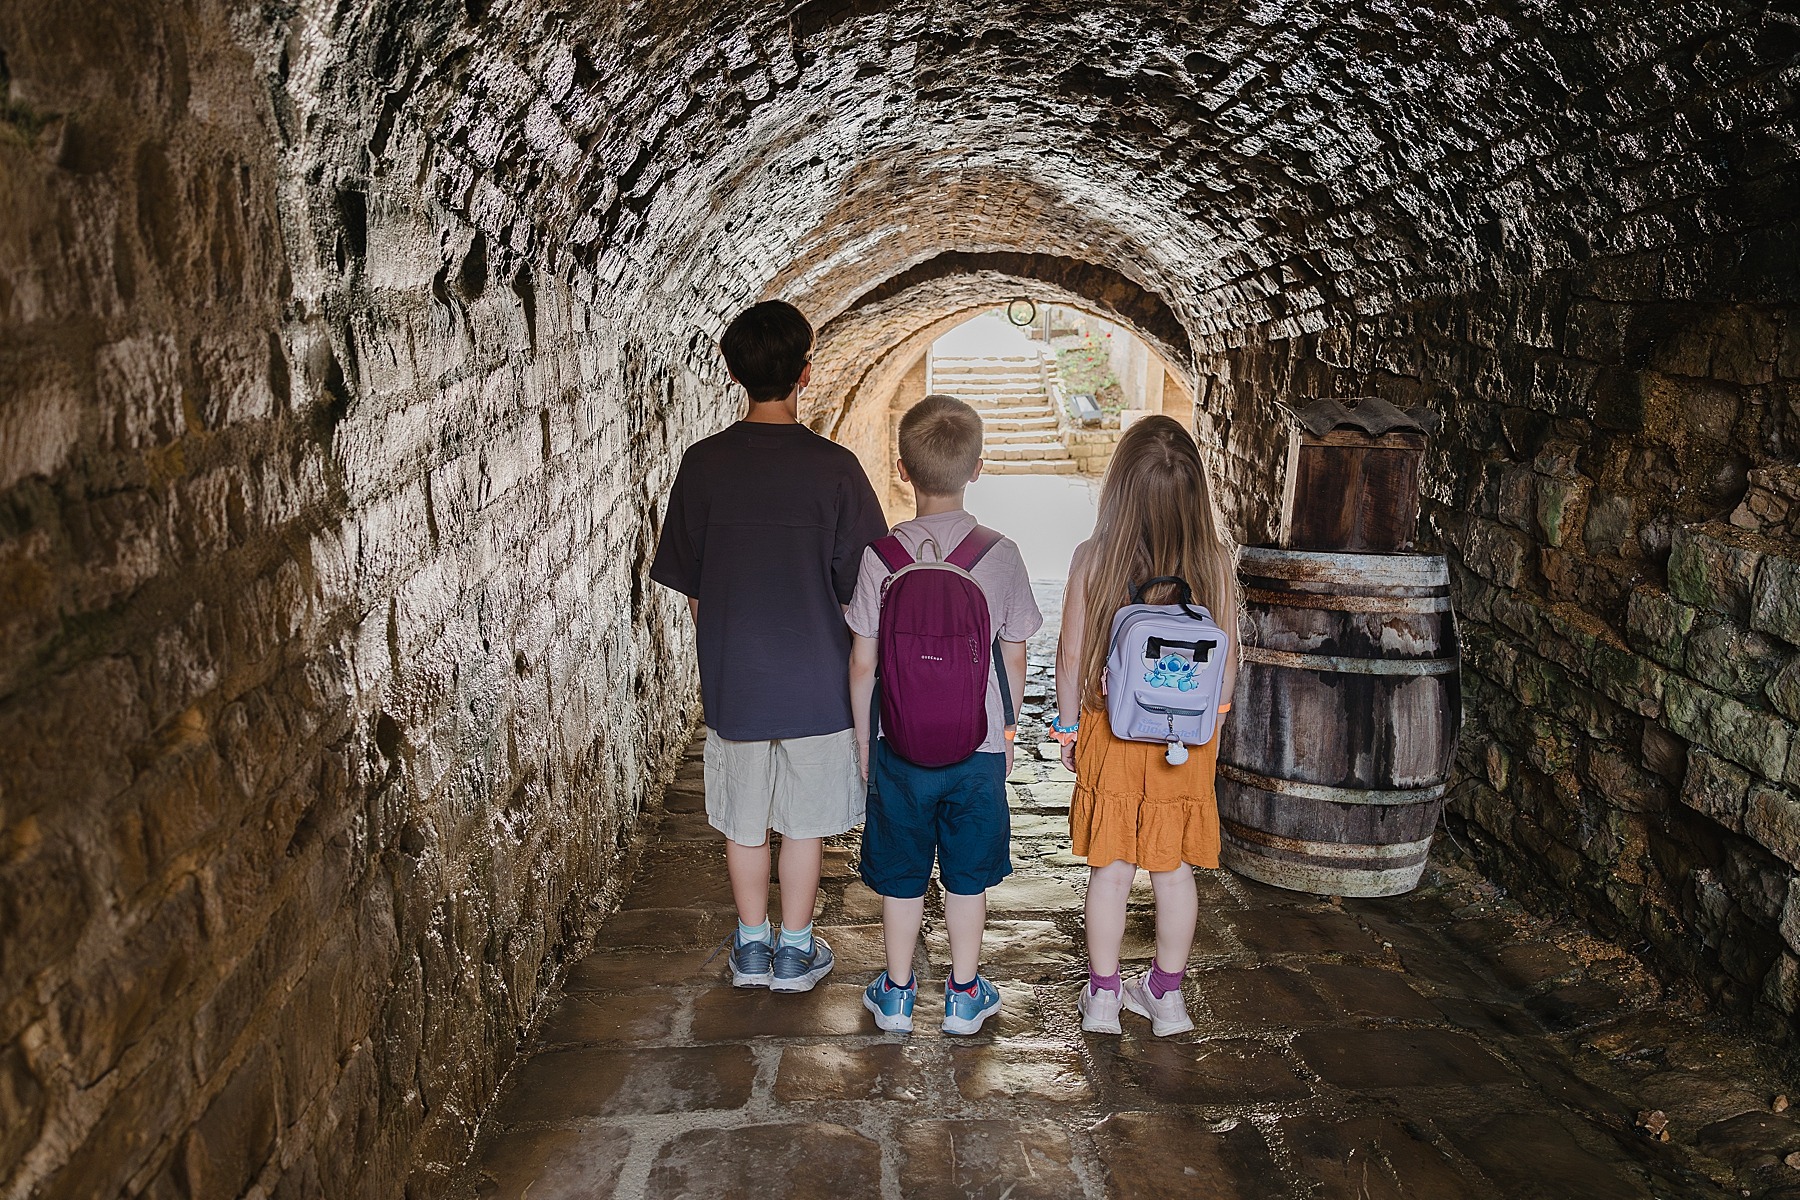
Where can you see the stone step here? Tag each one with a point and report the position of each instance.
(1041, 424)
(1032, 376)
(1040, 466)
(1016, 437)
(982, 387)
(983, 360)
(1022, 408)
(1034, 450)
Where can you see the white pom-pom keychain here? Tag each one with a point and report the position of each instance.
(1176, 754)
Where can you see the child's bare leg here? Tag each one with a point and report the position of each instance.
(749, 870)
(801, 861)
(900, 921)
(1177, 911)
(964, 918)
(1108, 888)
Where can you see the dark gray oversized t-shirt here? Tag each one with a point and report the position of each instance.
(766, 528)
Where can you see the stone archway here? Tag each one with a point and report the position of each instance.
(863, 350)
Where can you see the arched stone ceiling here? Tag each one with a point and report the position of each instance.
(1069, 281)
(1253, 164)
(1250, 162)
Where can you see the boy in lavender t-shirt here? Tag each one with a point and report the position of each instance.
(957, 813)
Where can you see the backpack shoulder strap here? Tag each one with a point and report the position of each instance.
(973, 548)
(891, 552)
(1006, 699)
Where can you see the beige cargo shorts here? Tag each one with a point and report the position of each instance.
(800, 787)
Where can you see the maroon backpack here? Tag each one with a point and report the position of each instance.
(934, 651)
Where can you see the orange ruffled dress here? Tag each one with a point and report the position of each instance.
(1131, 805)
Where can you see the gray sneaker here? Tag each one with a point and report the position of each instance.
(798, 971)
(752, 963)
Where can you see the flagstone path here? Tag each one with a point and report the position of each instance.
(1439, 1045)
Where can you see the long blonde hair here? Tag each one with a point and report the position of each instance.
(1156, 518)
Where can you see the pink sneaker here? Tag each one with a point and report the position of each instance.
(1099, 1010)
(1168, 1016)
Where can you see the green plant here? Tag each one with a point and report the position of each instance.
(1085, 368)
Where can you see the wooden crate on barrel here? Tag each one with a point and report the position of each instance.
(1333, 766)
(1353, 477)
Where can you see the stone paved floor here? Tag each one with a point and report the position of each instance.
(1438, 1045)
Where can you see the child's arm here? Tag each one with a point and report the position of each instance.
(1230, 626)
(1012, 658)
(1068, 642)
(1068, 649)
(1228, 687)
(862, 690)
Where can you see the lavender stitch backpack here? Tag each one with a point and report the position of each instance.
(1164, 671)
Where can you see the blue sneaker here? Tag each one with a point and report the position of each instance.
(892, 1006)
(797, 971)
(752, 963)
(965, 1011)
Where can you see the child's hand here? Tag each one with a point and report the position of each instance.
(1009, 758)
(1068, 754)
(862, 758)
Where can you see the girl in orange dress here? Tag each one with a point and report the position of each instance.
(1131, 808)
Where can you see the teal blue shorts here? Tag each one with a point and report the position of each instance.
(956, 814)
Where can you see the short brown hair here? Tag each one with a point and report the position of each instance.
(940, 443)
(766, 346)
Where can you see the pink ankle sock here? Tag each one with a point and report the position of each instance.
(1104, 983)
(1163, 982)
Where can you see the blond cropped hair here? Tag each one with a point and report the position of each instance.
(940, 443)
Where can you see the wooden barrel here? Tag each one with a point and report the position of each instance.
(1343, 729)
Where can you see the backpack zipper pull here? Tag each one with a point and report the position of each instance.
(1177, 753)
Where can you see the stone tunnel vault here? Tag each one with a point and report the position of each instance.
(347, 351)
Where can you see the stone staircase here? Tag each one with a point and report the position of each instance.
(1008, 391)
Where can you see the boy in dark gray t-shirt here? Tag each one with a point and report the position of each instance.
(765, 531)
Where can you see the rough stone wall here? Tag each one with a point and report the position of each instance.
(330, 681)
(873, 390)
(911, 388)
(1631, 659)
(1177, 399)
(1092, 449)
